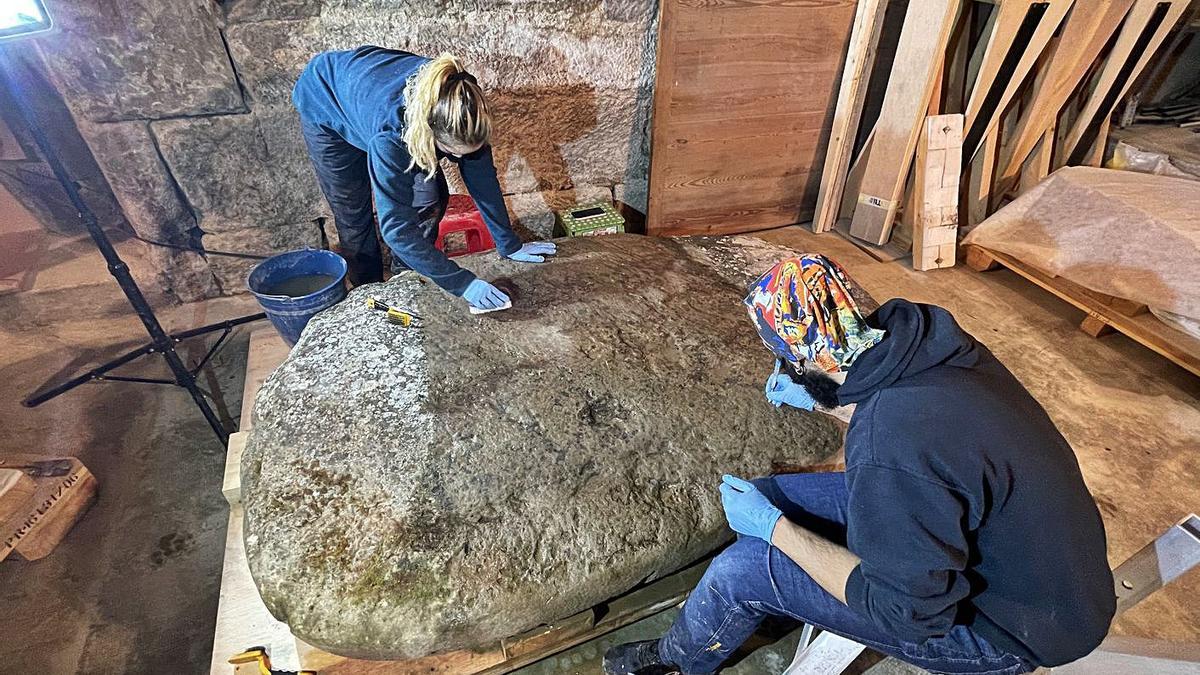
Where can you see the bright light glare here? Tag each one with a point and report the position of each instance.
(20, 17)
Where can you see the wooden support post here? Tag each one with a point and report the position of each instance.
(919, 56)
(860, 57)
(935, 186)
(979, 259)
(1095, 326)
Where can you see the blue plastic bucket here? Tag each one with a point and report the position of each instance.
(292, 287)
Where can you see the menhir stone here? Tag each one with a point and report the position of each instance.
(415, 490)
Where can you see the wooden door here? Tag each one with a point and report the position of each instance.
(743, 104)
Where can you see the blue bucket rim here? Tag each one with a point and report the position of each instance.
(288, 298)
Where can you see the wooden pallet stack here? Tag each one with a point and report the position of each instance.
(981, 101)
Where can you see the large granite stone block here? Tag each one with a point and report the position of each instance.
(131, 59)
(242, 171)
(415, 490)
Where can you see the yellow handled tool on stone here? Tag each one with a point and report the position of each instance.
(395, 315)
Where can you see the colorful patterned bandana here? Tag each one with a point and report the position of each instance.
(803, 312)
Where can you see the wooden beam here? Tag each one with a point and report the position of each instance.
(978, 201)
(935, 186)
(860, 57)
(919, 56)
(1130, 53)
(988, 103)
(1095, 327)
(1088, 28)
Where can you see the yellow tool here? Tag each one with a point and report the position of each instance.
(255, 661)
(395, 315)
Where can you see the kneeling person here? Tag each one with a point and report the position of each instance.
(961, 537)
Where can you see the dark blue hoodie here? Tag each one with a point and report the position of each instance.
(966, 504)
(359, 95)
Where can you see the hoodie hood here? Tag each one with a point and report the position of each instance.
(918, 337)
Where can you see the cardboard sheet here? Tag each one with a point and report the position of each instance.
(1126, 234)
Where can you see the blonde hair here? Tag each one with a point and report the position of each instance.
(443, 102)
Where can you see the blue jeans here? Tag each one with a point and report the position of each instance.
(751, 579)
(345, 180)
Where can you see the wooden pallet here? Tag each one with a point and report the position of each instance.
(1105, 313)
(243, 621)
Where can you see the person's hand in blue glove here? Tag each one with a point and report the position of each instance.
(534, 252)
(782, 390)
(747, 509)
(483, 295)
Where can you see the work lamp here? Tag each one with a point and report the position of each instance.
(23, 17)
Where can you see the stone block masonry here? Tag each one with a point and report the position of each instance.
(186, 107)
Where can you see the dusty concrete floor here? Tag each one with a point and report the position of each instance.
(134, 587)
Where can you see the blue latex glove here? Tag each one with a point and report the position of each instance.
(534, 252)
(483, 295)
(747, 509)
(781, 390)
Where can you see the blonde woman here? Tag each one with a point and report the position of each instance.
(376, 122)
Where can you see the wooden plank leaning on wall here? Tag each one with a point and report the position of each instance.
(742, 112)
(860, 58)
(1145, 28)
(923, 40)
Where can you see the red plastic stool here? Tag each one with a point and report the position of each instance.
(462, 230)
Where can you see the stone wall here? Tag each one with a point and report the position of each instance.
(186, 107)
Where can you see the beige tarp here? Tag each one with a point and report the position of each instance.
(1129, 235)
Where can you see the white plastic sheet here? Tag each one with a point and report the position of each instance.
(1126, 234)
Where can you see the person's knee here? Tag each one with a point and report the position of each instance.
(734, 570)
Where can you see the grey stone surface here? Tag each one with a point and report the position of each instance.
(231, 272)
(242, 171)
(534, 211)
(408, 491)
(130, 59)
(146, 191)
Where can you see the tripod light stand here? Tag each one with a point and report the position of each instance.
(21, 18)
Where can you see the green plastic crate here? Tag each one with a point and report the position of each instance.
(586, 220)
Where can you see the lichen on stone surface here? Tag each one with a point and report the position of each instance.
(416, 490)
